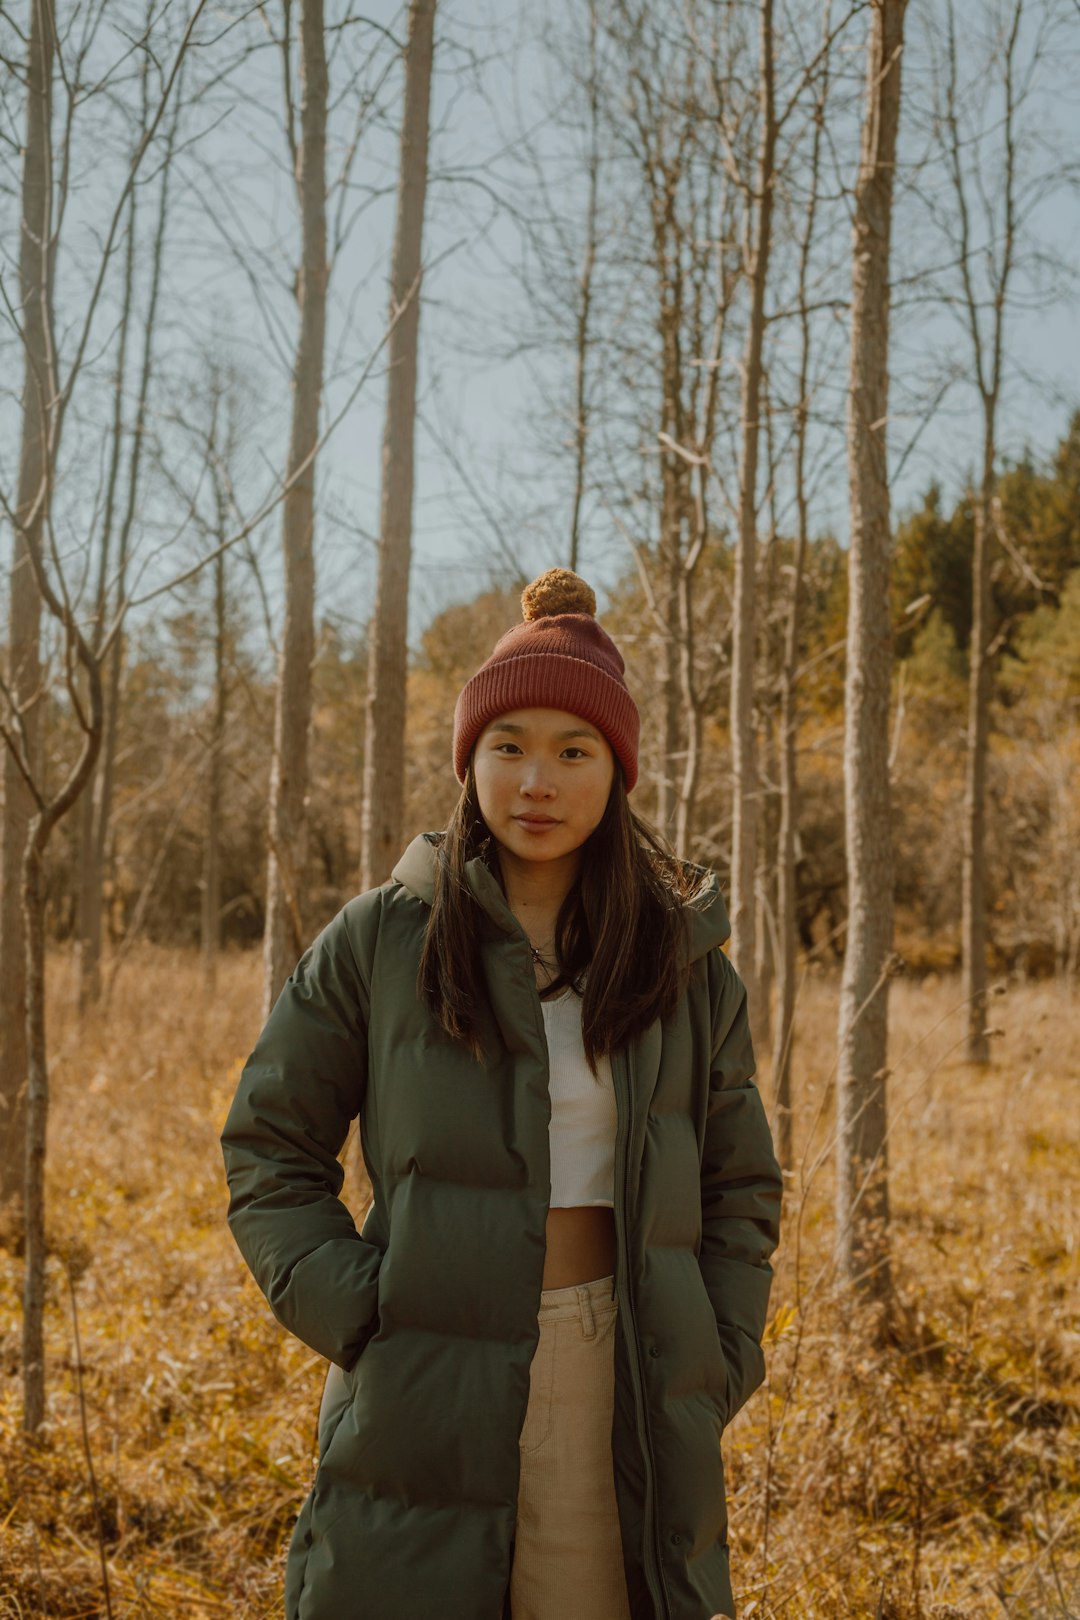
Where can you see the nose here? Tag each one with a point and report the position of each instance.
(535, 783)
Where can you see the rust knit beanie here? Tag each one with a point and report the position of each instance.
(558, 658)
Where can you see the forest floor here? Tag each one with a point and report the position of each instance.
(932, 1479)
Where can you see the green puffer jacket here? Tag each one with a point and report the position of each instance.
(430, 1312)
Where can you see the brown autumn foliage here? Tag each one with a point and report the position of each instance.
(156, 847)
(934, 1478)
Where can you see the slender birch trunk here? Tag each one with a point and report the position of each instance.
(669, 680)
(695, 686)
(692, 715)
(786, 896)
(89, 896)
(211, 876)
(95, 806)
(584, 311)
(283, 938)
(973, 878)
(77, 664)
(23, 678)
(745, 795)
(787, 763)
(48, 813)
(765, 943)
(862, 1187)
(987, 357)
(383, 809)
(673, 503)
(34, 1142)
(765, 887)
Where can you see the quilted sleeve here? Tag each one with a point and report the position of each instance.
(300, 1088)
(740, 1189)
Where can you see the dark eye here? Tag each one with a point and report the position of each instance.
(498, 746)
(574, 750)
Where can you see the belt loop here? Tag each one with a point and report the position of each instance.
(613, 1285)
(588, 1321)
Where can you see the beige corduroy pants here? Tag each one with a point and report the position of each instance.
(568, 1551)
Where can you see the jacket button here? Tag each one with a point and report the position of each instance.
(676, 1539)
(654, 1349)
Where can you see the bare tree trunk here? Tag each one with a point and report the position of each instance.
(283, 939)
(89, 898)
(88, 905)
(95, 806)
(383, 809)
(669, 134)
(987, 354)
(787, 767)
(765, 886)
(695, 703)
(862, 1187)
(100, 796)
(765, 944)
(77, 662)
(581, 420)
(37, 1114)
(33, 1342)
(672, 492)
(669, 684)
(973, 912)
(787, 835)
(24, 624)
(693, 717)
(48, 811)
(745, 798)
(784, 1023)
(211, 890)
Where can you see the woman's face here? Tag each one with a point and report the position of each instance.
(543, 777)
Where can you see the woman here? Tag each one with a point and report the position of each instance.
(557, 1299)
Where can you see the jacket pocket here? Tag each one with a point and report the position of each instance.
(718, 1386)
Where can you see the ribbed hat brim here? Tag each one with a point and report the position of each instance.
(548, 680)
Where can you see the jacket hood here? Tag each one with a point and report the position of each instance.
(707, 918)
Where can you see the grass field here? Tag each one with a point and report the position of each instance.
(936, 1478)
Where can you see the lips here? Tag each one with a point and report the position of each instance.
(537, 821)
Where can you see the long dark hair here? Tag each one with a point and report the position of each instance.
(622, 921)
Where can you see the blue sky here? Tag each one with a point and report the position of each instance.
(489, 399)
(490, 80)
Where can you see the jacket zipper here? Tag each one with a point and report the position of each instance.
(653, 1563)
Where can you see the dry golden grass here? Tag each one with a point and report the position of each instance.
(938, 1477)
(933, 1479)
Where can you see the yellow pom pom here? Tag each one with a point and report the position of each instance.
(557, 591)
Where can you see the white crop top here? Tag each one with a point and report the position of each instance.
(583, 1115)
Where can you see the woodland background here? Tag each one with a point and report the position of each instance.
(157, 847)
(321, 335)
